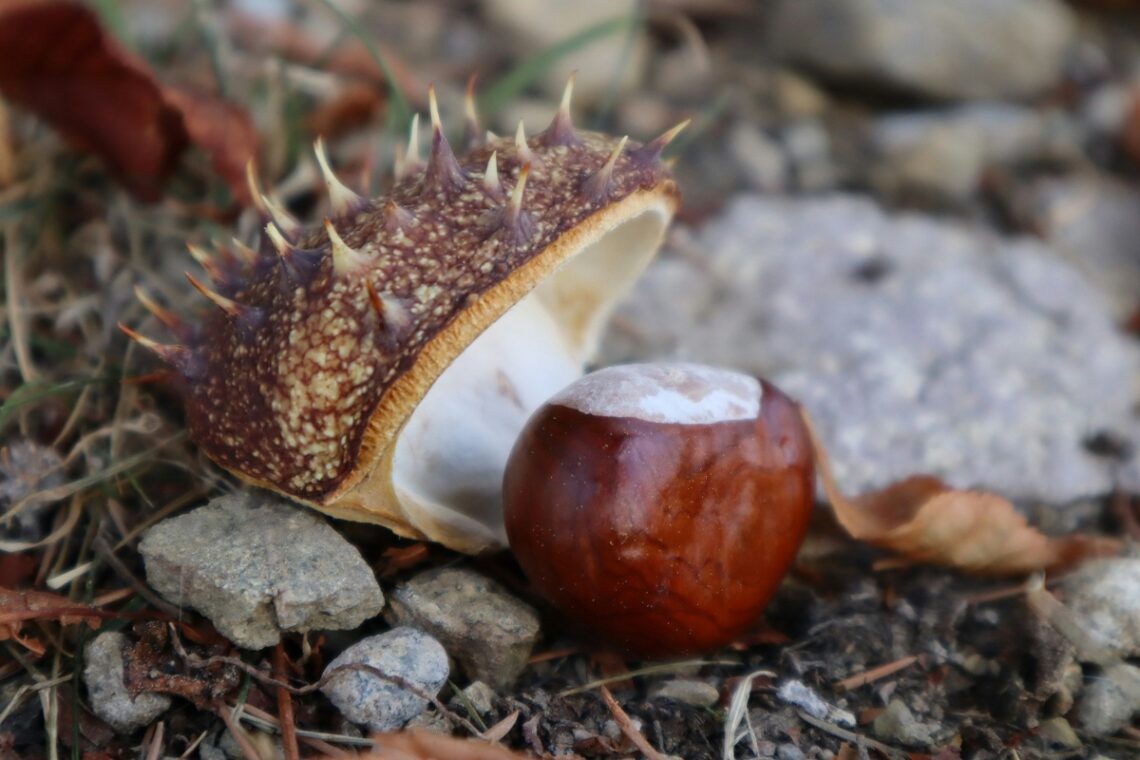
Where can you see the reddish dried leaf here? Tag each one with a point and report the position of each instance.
(426, 745)
(18, 607)
(223, 130)
(60, 63)
(926, 521)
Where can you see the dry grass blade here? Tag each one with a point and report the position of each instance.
(631, 731)
(738, 713)
(425, 745)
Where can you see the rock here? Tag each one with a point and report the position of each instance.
(797, 97)
(478, 696)
(256, 566)
(960, 49)
(687, 691)
(789, 752)
(801, 695)
(1109, 700)
(760, 160)
(898, 725)
(924, 157)
(917, 345)
(1105, 597)
(107, 694)
(382, 705)
(1059, 732)
(535, 25)
(27, 467)
(940, 154)
(808, 149)
(1094, 223)
(489, 632)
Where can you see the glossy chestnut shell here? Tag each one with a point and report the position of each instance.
(660, 538)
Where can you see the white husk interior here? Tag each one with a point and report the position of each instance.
(449, 459)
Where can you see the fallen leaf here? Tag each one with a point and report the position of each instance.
(18, 607)
(223, 130)
(926, 521)
(426, 745)
(60, 64)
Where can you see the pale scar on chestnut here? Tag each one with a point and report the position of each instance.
(358, 366)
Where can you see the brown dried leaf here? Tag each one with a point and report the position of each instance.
(928, 522)
(223, 130)
(426, 745)
(18, 607)
(60, 63)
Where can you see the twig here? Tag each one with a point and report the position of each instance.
(237, 732)
(154, 751)
(874, 674)
(194, 661)
(851, 736)
(285, 707)
(630, 730)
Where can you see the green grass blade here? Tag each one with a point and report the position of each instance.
(31, 393)
(508, 87)
(399, 112)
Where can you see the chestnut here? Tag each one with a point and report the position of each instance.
(658, 506)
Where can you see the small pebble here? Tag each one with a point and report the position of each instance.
(1058, 731)
(107, 694)
(366, 698)
(488, 631)
(687, 691)
(897, 724)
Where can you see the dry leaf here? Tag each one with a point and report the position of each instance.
(18, 607)
(60, 63)
(928, 522)
(223, 130)
(427, 745)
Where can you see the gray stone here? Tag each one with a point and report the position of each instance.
(256, 567)
(1095, 223)
(27, 467)
(917, 345)
(795, 692)
(760, 160)
(1105, 597)
(380, 704)
(898, 725)
(103, 670)
(687, 691)
(959, 49)
(478, 696)
(789, 752)
(1059, 732)
(940, 154)
(1109, 700)
(489, 632)
(807, 146)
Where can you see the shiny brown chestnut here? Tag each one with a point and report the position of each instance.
(658, 506)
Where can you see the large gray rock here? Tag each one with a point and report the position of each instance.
(381, 704)
(939, 48)
(917, 345)
(489, 632)
(256, 566)
(103, 670)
